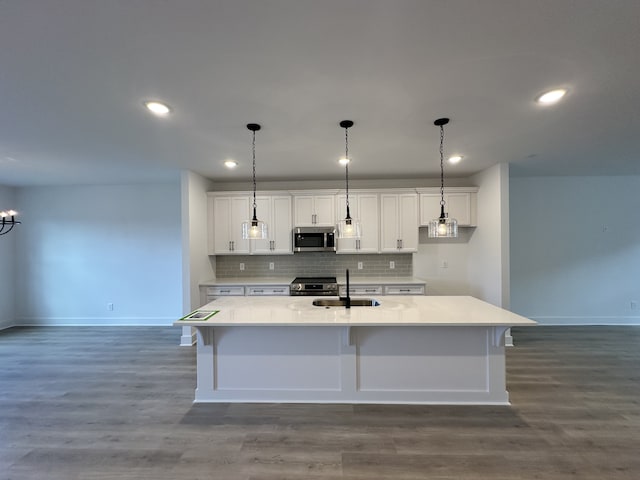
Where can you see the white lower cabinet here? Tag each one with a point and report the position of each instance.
(268, 290)
(383, 289)
(361, 290)
(211, 293)
(404, 290)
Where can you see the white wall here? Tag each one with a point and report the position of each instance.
(477, 262)
(434, 253)
(575, 249)
(8, 261)
(83, 247)
(197, 266)
(488, 247)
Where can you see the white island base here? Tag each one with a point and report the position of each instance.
(368, 364)
(410, 349)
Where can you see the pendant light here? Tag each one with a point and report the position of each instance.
(7, 223)
(349, 227)
(443, 226)
(254, 228)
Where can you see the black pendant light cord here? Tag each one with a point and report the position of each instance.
(346, 124)
(254, 176)
(254, 127)
(441, 122)
(346, 167)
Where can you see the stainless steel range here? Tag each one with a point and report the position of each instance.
(314, 286)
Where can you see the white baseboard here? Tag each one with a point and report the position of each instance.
(95, 321)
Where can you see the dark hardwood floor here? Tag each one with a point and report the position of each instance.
(116, 403)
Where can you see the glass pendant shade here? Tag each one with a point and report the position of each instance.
(254, 230)
(443, 226)
(349, 228)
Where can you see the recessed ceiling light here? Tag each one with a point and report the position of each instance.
(551, 96)
(157, 108)
(455, 158)
(344, 161)
(230, 163)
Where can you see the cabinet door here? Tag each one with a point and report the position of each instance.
(276, 212)
(399, 223)
(389, 238)
(303, 211)
(347, 245)
(429, 208)
(265, 214)
(457, 205)
(364, 208)
(221, 221)
(408, 222)
(228, 215)
(324, 206)
(281, 229)
(314, 210)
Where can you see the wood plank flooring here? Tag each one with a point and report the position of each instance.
(116, 403)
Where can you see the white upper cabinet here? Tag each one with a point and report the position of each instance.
(399, 222)
(365, 208)
(275, 211)
(226, 214)
(460, 203)
(314, 210)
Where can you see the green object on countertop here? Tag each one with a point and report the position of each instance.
(199, 316)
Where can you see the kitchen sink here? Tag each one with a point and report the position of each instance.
(355, 302)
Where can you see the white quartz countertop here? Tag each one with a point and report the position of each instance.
(393, 311)
(286, 280)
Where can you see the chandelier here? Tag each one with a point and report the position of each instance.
(8, 221)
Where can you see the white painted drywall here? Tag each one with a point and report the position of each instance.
(8, 261)
(488, 249)
(575, 249)
(197, 266)
(84, 247)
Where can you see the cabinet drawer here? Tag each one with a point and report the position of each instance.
(225, 291)
(271, 290)
(404, 290)
(361, 290)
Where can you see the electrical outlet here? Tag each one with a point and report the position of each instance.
(359, 265)
(634, 304)
(272, 266)
(444, 264)
(392, 264)
(242, 267)
(110, 306)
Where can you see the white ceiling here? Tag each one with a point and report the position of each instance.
(74, 74)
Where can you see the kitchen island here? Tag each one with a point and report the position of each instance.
(409, 349)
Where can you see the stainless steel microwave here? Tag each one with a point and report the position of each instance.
(314, 239)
